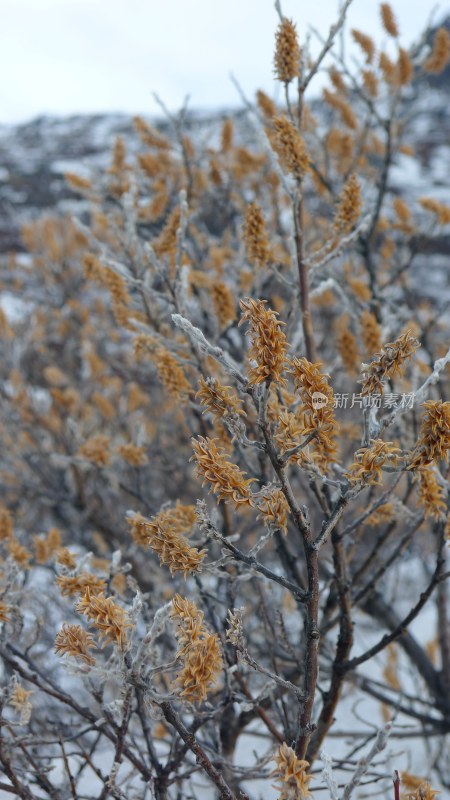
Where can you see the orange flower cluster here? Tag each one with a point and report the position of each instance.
(6, 523)
(189, 621)
(132, 454)
(45, 547)
(441, 210)
(171, 375)
(95, 449)
(107, 617)
(318, 399)
(268, 342)
(199, 651)
(388, 68)
(440, 54)
(434, 440)
(4, 612)
(388, 20)
(163, 534)
(382, 514)
(349, 206)
(405, 69)
(289, 147)
(387, 363)
(432, 496)
(256, 239)
(19, 553)
(77, 584)
(274, 509)
(74, 641)
(287, 52)
(265, 105)
(421, 789)
(366, 44)
(226, 479)
(344, 108)
(292, 775)
(369, 461)
(348, 350)
(290, 431)
(218, 399)
(224, 303)
(19, 699)
(370, 333)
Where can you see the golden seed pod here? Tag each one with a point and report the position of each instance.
(440, 54)
(290, 147)
(388, 20)
(287, 52)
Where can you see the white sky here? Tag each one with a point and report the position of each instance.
(70, 56)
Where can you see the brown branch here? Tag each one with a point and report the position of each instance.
(308, 331)
(403, 625)
(343, 648)
(202, 759)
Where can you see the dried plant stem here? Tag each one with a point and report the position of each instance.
(188, 737)
(308, 333)
(251, 561)
(305, 727)
(343, 648)
(379, 745)
(406, 621)
(326, 47)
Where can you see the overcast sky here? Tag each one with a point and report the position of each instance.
(70, 56)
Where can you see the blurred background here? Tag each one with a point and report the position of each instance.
(94, 56)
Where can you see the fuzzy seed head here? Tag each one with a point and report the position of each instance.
(290, 147)
(434, 440)
(226, 479)
(369, 461)
(268, 342)
(291, 772)
(287, 52)
(349, 206)
(106, 616)
(256, 240)
(388, 362)
(74, 641)
(388, 20)
(440, 54)
(366, 44)
(163, 533)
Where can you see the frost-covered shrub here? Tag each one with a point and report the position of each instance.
(225, 439)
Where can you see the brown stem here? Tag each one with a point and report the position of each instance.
(343, 648)
(171, 716)
(308, 332)
(312, 650)
(396, 785)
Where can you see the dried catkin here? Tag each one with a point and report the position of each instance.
(106, 616)
(269, 346)
(432, 496)
(434, 440)
(73, 640)
(349, 206)
(291, 773)
(287, 52)
(227, 481)
(290, 147)
(387, 363)
(440, 54)
(163, 534)
(366, 44)
(388, 20)
(256, 239)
